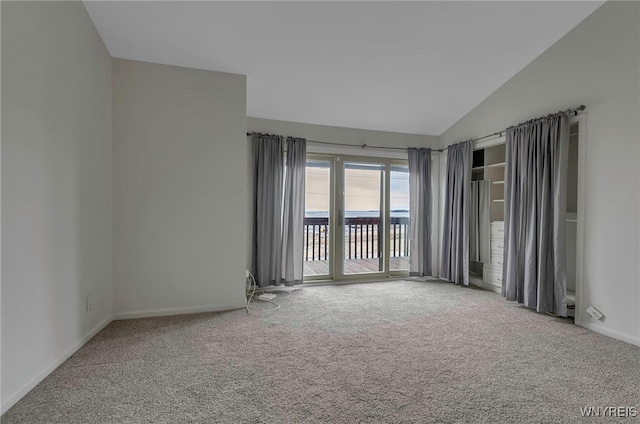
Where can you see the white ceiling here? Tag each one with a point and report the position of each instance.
(413, 67)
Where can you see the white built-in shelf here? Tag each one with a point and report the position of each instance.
(494, 165)
(478, 168)
(497, 182)
(497, 200)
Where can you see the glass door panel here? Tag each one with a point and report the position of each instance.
(317, 219)
(363, 243)
(399, 218)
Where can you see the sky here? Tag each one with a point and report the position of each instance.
(362, 189)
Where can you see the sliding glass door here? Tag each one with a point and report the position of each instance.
(318, 216)
(363, 201)
(399, 218)
(356, 218)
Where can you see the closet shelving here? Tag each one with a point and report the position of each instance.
(489, 164)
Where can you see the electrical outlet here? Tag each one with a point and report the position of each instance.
(594, 312)
(89, 303)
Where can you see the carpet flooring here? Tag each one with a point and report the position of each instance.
(391, 352)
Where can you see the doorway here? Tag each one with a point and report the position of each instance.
(356, 218)
(488, 164)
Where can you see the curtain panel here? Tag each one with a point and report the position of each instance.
(268, 181)
(420, 212)
(293, 213)
(455, 231)
(480, 222)
(534, 270)
(278, 210)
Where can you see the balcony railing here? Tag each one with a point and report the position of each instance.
(362, 237)
(316, 236)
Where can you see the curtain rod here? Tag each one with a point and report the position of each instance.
(574, 110)
(250, 133)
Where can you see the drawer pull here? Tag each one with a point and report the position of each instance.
(500, 246)
(500, 230)
(500, 279)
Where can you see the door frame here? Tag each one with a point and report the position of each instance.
(332, 218)
(581, 120)
(336, 236)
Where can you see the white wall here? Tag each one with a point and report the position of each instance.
(1, 401)
(180, 189)
(596, 64)
(56, 188)
(342, 135)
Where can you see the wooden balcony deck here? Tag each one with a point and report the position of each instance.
(355, 266)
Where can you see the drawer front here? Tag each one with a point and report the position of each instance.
(497, 224)
(497, 261)
(497, 229)
(497, 246)
(492, 276)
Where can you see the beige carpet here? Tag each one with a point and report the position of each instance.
(397, 352)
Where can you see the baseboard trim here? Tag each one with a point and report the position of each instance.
(316, 283)
(151, 313)
(609, 333)
(52, 366)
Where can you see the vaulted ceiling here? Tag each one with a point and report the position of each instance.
(414, 67)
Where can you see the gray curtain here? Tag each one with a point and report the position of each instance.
(534, 270)
(268, 198)
(479, 222)
(420, 205)
(293, 214)
(455, 231)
